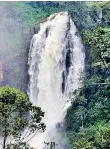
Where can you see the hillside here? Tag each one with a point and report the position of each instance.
(87, 122)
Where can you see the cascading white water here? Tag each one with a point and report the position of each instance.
(56, 66)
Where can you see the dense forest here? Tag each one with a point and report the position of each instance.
(87, 122)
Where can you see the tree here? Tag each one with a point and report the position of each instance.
(99, 43)
(19, 119)
(94, 137)
(90, 106)
(50, 145)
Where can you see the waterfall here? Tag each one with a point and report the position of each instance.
(56, 66)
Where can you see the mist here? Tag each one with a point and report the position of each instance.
(13, 47)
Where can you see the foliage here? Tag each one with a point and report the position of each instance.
(17, 114)
(99, 43)
(19, 146)
(97, 136)
(84, 14)
(33, 12)
(92, 104)
(90, 107)
(94, 7)
(50, 145)
(19, 21)
(88, 119)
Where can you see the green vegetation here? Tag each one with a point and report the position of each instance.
(88, 119)
(90, 108)
(17, 114)
(20, 20)
(84, 14)
(32, 15)
(94, 8)
(89, 111)
(34, 12)
(94, 137)
(99, 43)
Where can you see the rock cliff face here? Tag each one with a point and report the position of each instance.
(14, 47)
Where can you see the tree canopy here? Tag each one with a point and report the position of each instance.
(88, 119)
(19, 119)
(98, 41)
